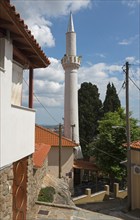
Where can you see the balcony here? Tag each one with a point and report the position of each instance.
(71, 60)
(17, 134)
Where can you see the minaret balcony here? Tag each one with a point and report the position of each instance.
(67, 59)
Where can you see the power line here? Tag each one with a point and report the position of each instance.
(45, 108)
(134, 83)
(42, 104)
(101, 150)
(122, 87)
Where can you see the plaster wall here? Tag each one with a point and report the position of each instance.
(135, 180)
(16, 124)
(67, 164)
(5, 98)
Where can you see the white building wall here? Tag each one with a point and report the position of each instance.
(5, 94)
(20, 141)
(67, 157)
(16, 125)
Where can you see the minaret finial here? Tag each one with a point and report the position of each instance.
(70, 25)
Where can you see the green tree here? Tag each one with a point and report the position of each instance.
(108, 148)
(89, 113)
(111, 102)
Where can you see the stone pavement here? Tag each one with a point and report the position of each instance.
(45, 211)
(113, 207)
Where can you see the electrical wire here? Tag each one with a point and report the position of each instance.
(42, 104)
(122, 87)
(102, 150)
(134, 83)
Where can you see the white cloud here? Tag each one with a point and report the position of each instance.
(128, 41)
(131, 3)
(100, 55)
(40, 28)
(130, 59)
(50, 8)
(49, 86)
(100, 74)
(54, 72)
(37, 14)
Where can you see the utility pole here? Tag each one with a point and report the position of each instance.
(128, 136)
(60, 149)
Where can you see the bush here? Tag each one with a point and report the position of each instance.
(46, 194)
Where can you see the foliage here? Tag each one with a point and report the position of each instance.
(111, 102)
(108, 147)
(89, 112)
(46, 194)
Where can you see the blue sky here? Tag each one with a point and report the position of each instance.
(108, 34)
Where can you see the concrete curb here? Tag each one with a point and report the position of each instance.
(94, 215)
(58, 205)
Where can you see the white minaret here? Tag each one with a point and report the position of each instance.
(71, 64)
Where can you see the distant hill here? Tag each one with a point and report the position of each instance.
(50, 126)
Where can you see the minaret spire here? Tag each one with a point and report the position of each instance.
(71, 64)
(70, 25)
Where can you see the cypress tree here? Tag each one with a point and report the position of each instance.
(111, 102)
(89, 112)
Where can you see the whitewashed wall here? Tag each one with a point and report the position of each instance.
(67, 158)
(16, 124)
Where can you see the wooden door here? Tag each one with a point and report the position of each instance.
(20, 189)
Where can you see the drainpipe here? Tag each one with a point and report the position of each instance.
(31, 88)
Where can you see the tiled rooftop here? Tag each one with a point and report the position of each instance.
(46, 136)
(135, 144)
(40, 154)
(85, 165)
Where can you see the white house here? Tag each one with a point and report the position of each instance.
(18, 51)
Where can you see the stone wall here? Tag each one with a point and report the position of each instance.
(34, 183)
(35, 179)
(6, 182)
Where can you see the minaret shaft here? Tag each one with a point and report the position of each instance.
(71, 123)
(71, 43)
(71, 63)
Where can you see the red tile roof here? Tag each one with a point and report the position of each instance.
(44, 135)
(23, 40)
(39, 156)
(135, 145)
(85, 165)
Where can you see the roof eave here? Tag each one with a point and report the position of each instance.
(41, 61)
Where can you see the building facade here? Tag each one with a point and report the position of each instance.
(60, 161)
(18, 51)
(135, 175)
